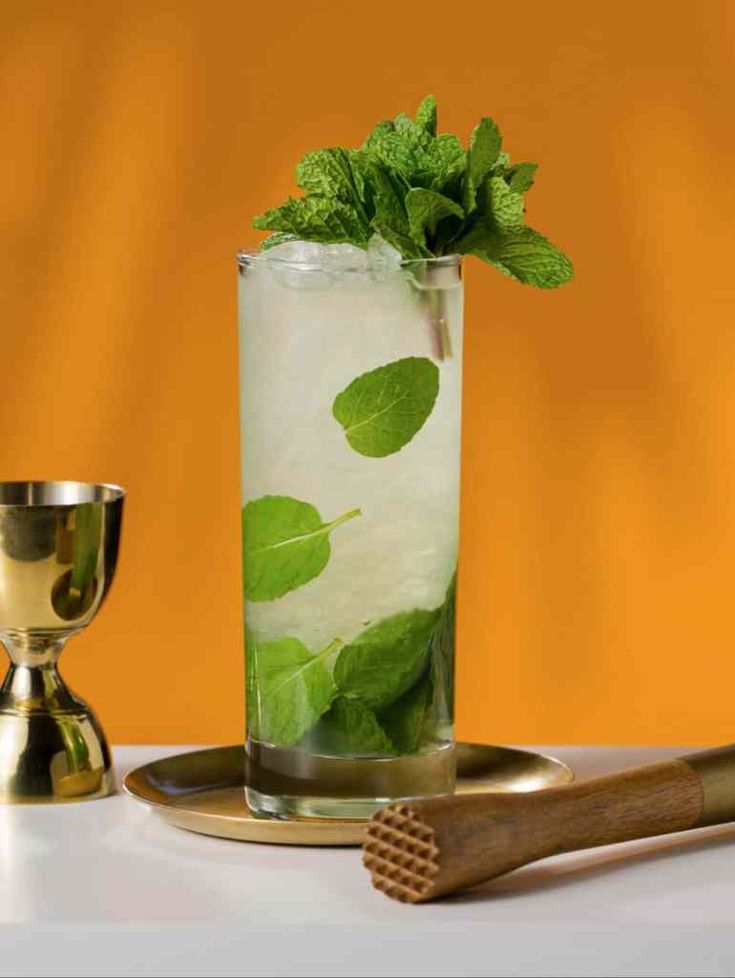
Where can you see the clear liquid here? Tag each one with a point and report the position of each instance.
(304, 338)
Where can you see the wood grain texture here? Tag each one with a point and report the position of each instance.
(426, 848)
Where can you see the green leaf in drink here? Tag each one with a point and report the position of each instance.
(252, 695)
(382, 410)
(386, 659)
(441, 707)
(404, 720)
(350, 727)
(285, 545)
(291, 687)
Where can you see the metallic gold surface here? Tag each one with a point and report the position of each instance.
(203, 791)
(716, 771)
(58, 552)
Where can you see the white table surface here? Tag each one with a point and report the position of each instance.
(105, 888)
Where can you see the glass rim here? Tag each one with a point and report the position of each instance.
(249, 257)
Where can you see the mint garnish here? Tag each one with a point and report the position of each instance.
(285, 545)
(382, 410)
(525, 255)
(425, 195)
(522, 176)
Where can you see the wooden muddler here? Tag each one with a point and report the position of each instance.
(419, 850)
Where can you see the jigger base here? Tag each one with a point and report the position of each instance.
(48, 758)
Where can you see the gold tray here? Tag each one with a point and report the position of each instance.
(202, 791)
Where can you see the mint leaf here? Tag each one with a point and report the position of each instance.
(426, 209)
(404, 720)
(350, 727)
(293, 689)
(390, 219)
(522, 254)
(426, 115)
(413, 158)
(522, 176)
(446, 162)
(397, 239)
(382, 410)
(506, 206)
(497, 209)
(386, 659)
(285, 544)
(399, 151)
(317, 218)
(442, 660)
(251, 683)
(334, 172)
(482, 155)
(403, 123)
(279, 238)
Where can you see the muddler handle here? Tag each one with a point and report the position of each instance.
(419, 850)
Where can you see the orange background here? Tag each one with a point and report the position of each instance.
(599, 452)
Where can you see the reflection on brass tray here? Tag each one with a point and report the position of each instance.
(202, 791)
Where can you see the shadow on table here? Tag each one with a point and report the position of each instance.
(547, 876)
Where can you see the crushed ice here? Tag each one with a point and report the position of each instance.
(310, 265)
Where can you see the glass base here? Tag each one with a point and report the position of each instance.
(286, 782)
(305, 806)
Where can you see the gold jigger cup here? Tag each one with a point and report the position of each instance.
(58, 551)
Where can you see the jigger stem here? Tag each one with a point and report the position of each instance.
(33, 679)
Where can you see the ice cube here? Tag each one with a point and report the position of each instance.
(303, 252)
(382, 258)
(346, 264)
(343, 258)
(297, 265)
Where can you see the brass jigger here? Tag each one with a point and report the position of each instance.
(58, 551)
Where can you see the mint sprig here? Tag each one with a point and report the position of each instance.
(425, 195)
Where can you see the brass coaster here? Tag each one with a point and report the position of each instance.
(202, 791)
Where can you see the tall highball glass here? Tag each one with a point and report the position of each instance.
(350, 372)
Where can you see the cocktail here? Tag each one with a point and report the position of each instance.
(351, 372)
